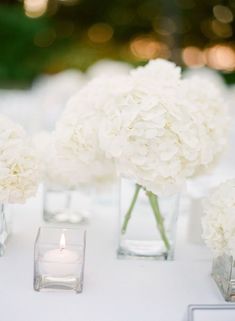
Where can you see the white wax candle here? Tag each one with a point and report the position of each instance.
(60, 262)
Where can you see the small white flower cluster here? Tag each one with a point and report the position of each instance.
(76, 136)
(19, 170)
(55, 171)
(158, 128)
(219, 220)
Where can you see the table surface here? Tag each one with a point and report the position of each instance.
(114, 290)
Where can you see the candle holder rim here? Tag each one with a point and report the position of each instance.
(37, 239)
(60, 228)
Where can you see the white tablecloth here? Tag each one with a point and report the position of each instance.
(114, 290)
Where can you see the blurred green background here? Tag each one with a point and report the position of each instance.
(48, 36)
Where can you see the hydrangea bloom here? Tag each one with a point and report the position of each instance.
(77, 136)
(219, 220)
(19, 174)
(107, 68)
(207, 73)
(209, 111)
(161, 129)
(56, 172)
(158, 128)
(50, 93)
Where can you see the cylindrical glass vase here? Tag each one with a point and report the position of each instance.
(5, 227)
(66, 206)
(147, 223)
(223, 272)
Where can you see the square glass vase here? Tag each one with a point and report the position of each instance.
(59, 257)
(105, 195)
(5, 227)
(66, 206)
(223, 272)
(147, 223)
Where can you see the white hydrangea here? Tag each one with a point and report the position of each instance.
(161, 129)
(50, 93)
(107, 68)
(209, 111)
(158, 128)
(158, 72)
(219, 221)
(57, 173)
(19, 170)
(213, 76)
(76, 136)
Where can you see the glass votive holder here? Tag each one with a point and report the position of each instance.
(66, 206)
(223, 272)
(5, 226)
(59, 257)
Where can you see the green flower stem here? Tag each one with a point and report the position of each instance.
(159, 220)
(129, 212)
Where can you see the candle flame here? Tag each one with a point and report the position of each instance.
(62, 242)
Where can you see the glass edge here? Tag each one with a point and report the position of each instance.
(193, 307)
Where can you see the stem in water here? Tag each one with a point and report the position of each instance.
(129, 212)
(158, 217)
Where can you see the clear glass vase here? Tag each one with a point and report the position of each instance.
(147, 223)
(5, 227)
(105, 196)
(66, 206)
(223, 272)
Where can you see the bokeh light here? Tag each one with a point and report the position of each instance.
(35, 8)
(193, 57)
(221, 57)
(164, 26)
(222, 30)
(223, 14)
(77, 33)
(100, 32)
(146, 47)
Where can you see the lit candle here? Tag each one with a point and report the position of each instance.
(60, 262)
